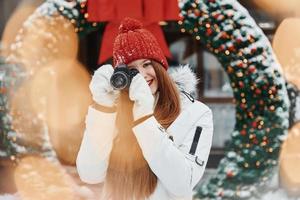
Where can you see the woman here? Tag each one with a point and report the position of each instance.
(152, 140)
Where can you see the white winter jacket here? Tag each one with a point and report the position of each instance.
(177, 155)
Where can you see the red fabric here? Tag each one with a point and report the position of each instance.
(146, 11)
(149, 12)
(134, 42)
(109, 35)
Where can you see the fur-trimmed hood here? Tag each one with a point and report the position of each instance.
(185, 80)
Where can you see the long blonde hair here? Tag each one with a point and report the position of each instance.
(129, 175)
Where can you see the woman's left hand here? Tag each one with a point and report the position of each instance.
(140, 93)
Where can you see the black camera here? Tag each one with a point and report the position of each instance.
(122, 77)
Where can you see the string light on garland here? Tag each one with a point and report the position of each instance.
(228, 31)
(76, 12)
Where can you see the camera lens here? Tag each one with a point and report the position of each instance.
(119, 80)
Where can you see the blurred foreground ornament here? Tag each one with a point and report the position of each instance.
(289, 162)
(279, 8)
(55, 88)
(24, 9)
(37, 178)
(286, 45)
(59, 94)
(42, 40)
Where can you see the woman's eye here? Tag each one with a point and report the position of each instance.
(147, 64)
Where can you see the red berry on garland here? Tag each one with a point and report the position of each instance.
(231, 48)
(243, 106)
(197, 12)
(83, 4)
(253, 50)
(252, 69)
(254, 124)
(222, 47)
(243, 132)
(257, 91)
(241, 84)
(181, 17)
(229, 174)
(239, 40)
(224, 35)
(273, 89)
(216, 16)
(241, 64)
(208, 31)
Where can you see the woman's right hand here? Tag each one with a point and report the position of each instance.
(102, 92)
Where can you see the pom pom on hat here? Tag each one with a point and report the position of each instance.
(129, 24)
(135, 42)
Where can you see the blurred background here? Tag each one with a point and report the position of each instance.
(51, 59)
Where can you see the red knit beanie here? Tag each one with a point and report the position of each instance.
(134, 42)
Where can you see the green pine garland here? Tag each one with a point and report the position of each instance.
(228, 31)
(75, 11)
(9, 149)
(294, 97)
